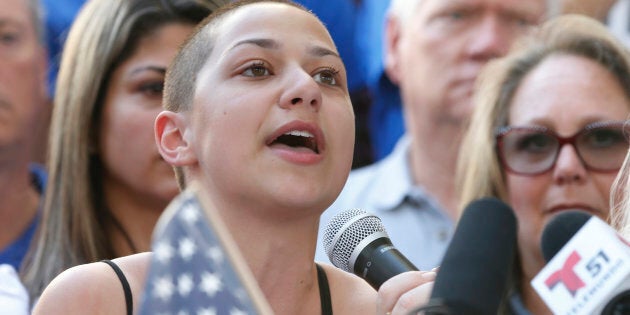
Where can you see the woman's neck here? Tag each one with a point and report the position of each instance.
(532, 300)
(133, 219)
(281, 257)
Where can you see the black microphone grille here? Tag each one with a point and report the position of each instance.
(560, 230)
(345, 231)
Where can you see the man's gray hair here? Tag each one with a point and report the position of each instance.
(404, 9)
(37, 14)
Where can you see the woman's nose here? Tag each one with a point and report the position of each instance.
(569, 166)
(301, 90)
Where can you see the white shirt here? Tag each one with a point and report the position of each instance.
(13, 295)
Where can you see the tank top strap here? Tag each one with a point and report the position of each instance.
(125, 285)
(324, 291)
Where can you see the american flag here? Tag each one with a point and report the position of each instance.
(195, 267)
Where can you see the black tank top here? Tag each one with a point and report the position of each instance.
(322, 280)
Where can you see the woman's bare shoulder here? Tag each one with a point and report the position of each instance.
(350, 294)
(94, 287)
(135, 267)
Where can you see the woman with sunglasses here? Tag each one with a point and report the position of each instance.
(548, 135)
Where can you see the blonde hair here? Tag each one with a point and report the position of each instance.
(105, 33)
(478, 171)
(620, 200)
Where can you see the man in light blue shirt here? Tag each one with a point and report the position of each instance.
(434, 50)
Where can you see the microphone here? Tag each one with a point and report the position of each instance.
(588, 269)
(559, 231)
(474, 273)
(356, 241)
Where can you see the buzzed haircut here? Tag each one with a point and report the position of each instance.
(181, 77)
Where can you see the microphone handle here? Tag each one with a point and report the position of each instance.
(379, 261)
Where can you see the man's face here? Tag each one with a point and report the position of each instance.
(22, 73)
(436, 54)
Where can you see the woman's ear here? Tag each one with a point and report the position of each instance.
(171, 140)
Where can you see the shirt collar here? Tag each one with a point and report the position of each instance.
(393, 185)
(38, 177)
(393, 181)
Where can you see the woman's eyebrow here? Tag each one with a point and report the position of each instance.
(160, 70)
(260, 42)
(267, 43)
(320, 51)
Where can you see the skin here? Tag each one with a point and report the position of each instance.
(435, 57)
(563, 93)
(23, 65)
(70, 293)
(138, 183)
(406, 292)
(293, 73)
(23, 104)
(285, 68)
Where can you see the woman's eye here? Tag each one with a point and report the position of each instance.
(604, 138)
(256, 70)
(153, 89)
(327, 77)
(535, 143)
(523, 22)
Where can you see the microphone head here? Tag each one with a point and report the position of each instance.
(345, 231)
(474, 273)
(560, 230)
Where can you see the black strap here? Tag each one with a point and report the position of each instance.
(324, 291)
(125, 285)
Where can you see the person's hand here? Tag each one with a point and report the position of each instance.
(405, 292)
